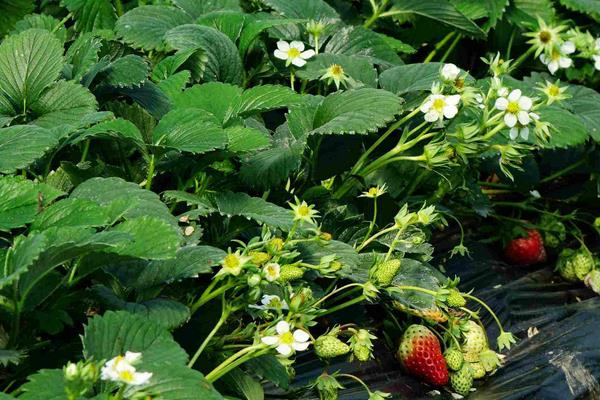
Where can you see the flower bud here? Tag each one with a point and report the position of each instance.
(254, 280)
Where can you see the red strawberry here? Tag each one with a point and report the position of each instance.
(421, 355)
(526, 251)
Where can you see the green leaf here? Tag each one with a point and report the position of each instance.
(256, 25)
(21, 200)
(24, 252)
(525, 13)
(169, 65)
(127, 71)
(13, 10)
(272, 166)
(21, 145)
(175, 84)
(214, 97)
(8, 357)
(189, 129)
(568, 130)
(585, 104)
(359, 41)
(114, 333)
(92, 15)
(268, 367)
(305, 9)
(153, 238)
(415, 273)
(189, 262)
(46, 384)
(357, 111)
(167, 313)
(196, 8)
(65, 103)
(29, 63)
(145, 26)
(228, 22)
(357, 68)
(71, 212)
(410, 77)
(114, 129)
(346, 254)
(108, 190)
(589, 7)
(176, 382)
(264, 98)
(41, 21)
(241, 139)
(150, 97)
(82, 54)
(242, 383)
(438, 10)
(224, 63)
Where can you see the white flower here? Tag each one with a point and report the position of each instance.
(120, 369)
(293, 53)
(449, 72)
(516, 108)
(597, 62)
(558, 57)
(232, 264)
(271, 302)
(439, 106)
(286, 341)
(271, 271)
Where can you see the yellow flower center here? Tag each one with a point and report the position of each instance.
(275, 303)
(293, 52)
(545, 36)
(438, 104)
(336, 70)
(286, 338)
(303, 210)
(231, 261)
(373, 191)
(513, 107)
(126, 376)
(553, 90)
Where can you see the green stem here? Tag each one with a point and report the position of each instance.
(372, 224)
(220, 322)
(62, 22)
(205, 298)
(489, 310)
(150, 174)
(522, 58)
(292, 76)
(86, 149)
(377, 10)
(491, 133)
(322, 299)
(414, 288)
(438, 46)
(119, 7)
(375, 236)
(563, 171)
(346, 304)
(119, 394)
(393, 245)
(243, 355)
(451, 48)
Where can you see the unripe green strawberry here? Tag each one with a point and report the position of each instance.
(565, 266)
(386, 271)
(475, 338)
(361, 345)
(592, 280)
(471, 357)
(455, 299)
(583, 263)
(454, 358)
(328, 387)
(289, 273)
(328, 346)
(478, 370)
(259, 257)
(462, 381)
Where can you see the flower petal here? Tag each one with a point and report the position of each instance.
(510, 119)
(270, 340)
(282, 55)
(297, 45)
(432, 116)
(525, 133)
(552, 67)
(450, 111)
(523, 117)
(284, 349)
(300, 346)
(501, 104)
(514, 95)
(568, 47)
(283, 45)
(301, 336)
(298, 62)
(453, 100)
(282, 327)
(426, 106)
(132, 357)
(307, 54)
(141, 378)
(525, 103)
(565, 62)
(513, 133)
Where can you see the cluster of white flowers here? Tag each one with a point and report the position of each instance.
(121, 369)
(286, 341)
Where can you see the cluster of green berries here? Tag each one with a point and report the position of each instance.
(575, 265)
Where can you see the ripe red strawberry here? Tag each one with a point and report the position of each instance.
(421, 355)
(526, 251)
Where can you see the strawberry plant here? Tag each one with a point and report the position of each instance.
(259, 198)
